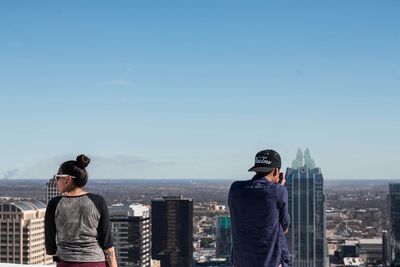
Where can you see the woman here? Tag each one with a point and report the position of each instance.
(77, 224)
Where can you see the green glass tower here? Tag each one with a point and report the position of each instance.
(394, 217)
(224, 237)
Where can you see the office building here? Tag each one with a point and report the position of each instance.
(394, 219)
(22, 233)
(224, 237)
(386, 251)
(51, 189)
(306, 237)
(172, 231)
(130, 227)
(371, 250)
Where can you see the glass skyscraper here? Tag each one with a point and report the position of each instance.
(394, 213)
(306, 237)
(224, 237)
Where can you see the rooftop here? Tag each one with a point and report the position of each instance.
(31, 205)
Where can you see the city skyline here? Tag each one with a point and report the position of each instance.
(358, 225)
(195, 89)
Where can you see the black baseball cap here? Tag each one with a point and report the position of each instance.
(266, 161)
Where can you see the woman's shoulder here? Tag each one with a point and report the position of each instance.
(97, 199)
(54, 201)
(53, 204)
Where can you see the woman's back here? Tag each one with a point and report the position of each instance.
(82, 230)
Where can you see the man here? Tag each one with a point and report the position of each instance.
(259, 215)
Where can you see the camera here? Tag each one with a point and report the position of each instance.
(280, 178)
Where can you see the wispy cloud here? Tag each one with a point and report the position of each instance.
(119, 82)
(44, 168)
(120, 160)
(119, 166)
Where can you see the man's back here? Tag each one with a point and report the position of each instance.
(259, 216)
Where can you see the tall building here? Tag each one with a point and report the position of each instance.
(224, 237)
(51, 189)
(394, 218)
(22, 233)
(130, 227)
(172, 231)
(306, 237)
(386, 251)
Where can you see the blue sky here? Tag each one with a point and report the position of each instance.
(193, 89)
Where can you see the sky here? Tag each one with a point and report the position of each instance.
(193, 89)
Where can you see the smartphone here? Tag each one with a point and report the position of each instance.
(280, 178)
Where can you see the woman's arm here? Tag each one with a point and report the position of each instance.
(104, 229)
(110, 257)
(50, 227)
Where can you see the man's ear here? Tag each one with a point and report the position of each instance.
(275, 172)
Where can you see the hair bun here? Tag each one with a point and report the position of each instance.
(82, 161)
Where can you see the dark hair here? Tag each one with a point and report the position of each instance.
(263, 174)
(76, 168)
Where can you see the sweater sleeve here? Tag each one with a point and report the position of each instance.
(282, 199)
(50, 226)
(104, 228)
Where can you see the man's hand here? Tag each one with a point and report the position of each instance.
(283, 182)
(286, 231)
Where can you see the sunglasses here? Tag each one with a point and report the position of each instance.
(58, 176)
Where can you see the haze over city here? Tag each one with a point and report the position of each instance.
(176, 89)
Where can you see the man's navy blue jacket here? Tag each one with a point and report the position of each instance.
(259, 216)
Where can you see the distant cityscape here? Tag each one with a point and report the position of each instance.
(186, 223)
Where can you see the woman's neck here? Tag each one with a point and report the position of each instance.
(77, 191)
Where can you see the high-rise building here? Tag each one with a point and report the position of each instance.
(51, 189)
(22, 233)
(306, 237)
(130, 227)
(385, 248)
(224, 237)
(394, 218)
(172, 231)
